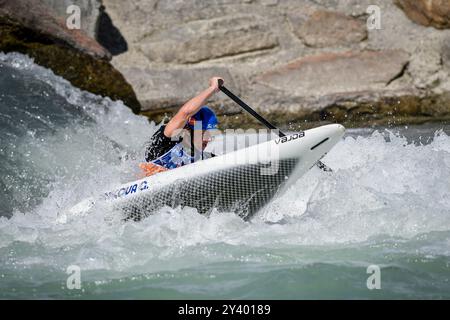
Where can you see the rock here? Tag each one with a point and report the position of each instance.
(331, 73)
(435, 13)
(208, 39)
(326, 29)
(446, 55)
(268, 2)
(161, 90)
(353, 111)
(36, 16)
(32, 28)
(349, 7)
(426, 67)
(90, 12)
(95, 22)
(139, 18)
(347, 71)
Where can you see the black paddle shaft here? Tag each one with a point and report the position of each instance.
(255, 114)
(247, 108)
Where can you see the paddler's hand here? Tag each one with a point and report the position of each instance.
(214, 83)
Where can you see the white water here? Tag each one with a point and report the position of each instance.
(387, 203)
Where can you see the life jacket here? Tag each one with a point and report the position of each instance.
(176, 157)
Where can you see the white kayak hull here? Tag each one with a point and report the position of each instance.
(242, 181)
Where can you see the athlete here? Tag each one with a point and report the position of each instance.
(184, 138)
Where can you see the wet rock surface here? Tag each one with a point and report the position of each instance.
(33, 28)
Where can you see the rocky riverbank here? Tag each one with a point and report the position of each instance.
(296, 61)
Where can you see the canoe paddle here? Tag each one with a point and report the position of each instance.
(247, 108)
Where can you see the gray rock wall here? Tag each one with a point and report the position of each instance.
(288, 58)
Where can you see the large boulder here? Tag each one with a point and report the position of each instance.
(95, 22)
(41, 20)
(32, 28)
(331, 73)
(327, 28)
(208, 39)
(435, 13)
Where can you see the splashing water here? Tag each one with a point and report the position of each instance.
(386, 203)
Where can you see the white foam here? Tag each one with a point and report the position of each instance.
(377, 188)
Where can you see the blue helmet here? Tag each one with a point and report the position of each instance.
(206, 116)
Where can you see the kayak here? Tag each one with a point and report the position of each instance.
(242, 181)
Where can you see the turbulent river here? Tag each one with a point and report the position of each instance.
(382, 216)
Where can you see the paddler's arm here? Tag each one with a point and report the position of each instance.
(190, 108)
